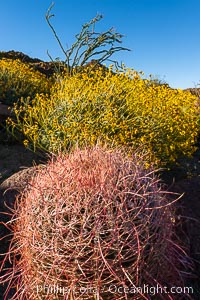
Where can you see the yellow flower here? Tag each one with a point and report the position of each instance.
(25, 142)
(120, 108)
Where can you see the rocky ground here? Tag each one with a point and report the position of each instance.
(190, 223)
(47, 68)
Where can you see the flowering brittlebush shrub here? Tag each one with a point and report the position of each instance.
(119, 108)
(18, 79)
(94, 224)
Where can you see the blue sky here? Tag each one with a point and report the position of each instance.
(164, 35)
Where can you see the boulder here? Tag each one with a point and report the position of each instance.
(5, 112)
(13, 185)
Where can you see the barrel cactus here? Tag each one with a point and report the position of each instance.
(95, 224)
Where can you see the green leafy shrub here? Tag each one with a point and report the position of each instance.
(121, 109)
(18, 79)
(95, 220)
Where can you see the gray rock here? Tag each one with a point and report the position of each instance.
(15, 184)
